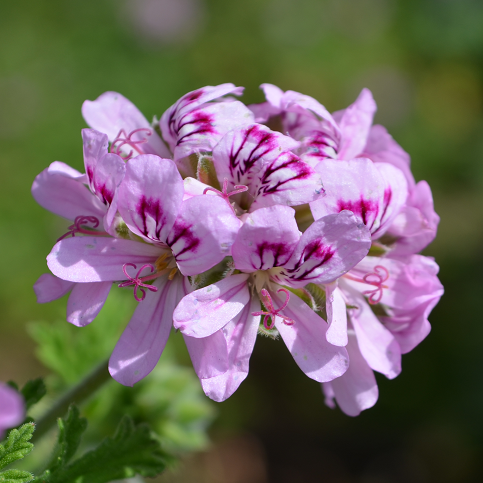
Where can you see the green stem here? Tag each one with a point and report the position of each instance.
(85, 388)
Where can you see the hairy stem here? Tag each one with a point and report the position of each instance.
(85, 388)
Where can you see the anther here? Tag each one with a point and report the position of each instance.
(239, 188)
(160, 263)
(272, 311)
(137, 281)
(77, 228)
(124, 139)
(172, 273)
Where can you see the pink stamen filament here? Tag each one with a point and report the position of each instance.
(239, 188)
(77, 228)
(123, 139)
(375, 295)
(138, 281)
(272, 311)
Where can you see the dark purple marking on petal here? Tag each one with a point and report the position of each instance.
(182, 103)
(183, 231)
(104, 193)
(202, 120)
(322, 146)
(316, 252)
(301, 169)
(363, 208)
(90, 173)
(265, 142)
(386, 201)
(278, 250)
(150, 207)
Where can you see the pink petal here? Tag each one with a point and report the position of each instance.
(266, 239)
(355, 124)
(203, 233)
(330, 247)
(356, 390)
(205, 311)
(306, 340)
(12, 409)
(336, 315)
(141, 344)
(48, 288)
(240, 334)
(86, 301)
(111, 112)
(58, 191)
(96, 259)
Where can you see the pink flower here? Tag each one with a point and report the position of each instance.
(12, 408)
(270, 252)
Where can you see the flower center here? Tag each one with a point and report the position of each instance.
(77, 227)
(375, 278)
(272, 312)
(124, 139)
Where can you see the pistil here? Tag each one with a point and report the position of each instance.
(272, 311)
(124, 139)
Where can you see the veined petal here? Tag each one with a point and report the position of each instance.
(203, 233)
(355, 390)
(240, 335)
(150, 196)
(205, 311)
(306, 340)
(96, 259)
(95, 145)
(336, 315)
(141, 344)
(355, 124)
(111, 112)
(60, 189)
(48, 288)
(12, 408)
(266, 239)
(86, 301)
(330, 247)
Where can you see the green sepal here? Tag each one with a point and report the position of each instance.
(17, 445)
(377, 250)
(206, 172)
(33, 392)
(15, 476)
(319, 296)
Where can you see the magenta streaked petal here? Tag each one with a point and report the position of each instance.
(108, 175)
(141, 344)
(203, 233)
(306, 340)
(95, 146)
(12, 408)
(86, 301)
(330, 247)
(266, 239)
(59, 190)
(240, 335)
(48, 288)
(150, 196)
(355, 123)
(96, 259)
(356, 390)
(207, 310)
(336, 315)
(111, 112)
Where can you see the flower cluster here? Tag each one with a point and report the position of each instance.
(229, 220)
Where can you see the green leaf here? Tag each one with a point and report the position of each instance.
(33, 392)
(70, 433)
(132, 450)
(15, 476)
(17, 445)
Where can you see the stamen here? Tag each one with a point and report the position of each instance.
(123, 139)
(137, 281)
(239, 188)
(77, 228)
(379, 275)
(160, 263)
(172, 273)
(272, 312)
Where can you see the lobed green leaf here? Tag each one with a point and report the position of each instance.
(17, 445)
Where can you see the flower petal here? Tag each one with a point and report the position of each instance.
(355, 390)
(336, 315)
(306, 340)
(150, 196)
(12, 408)
(204, 311)
(240, 335)
(48, 288)
(266, 239)
(86, 301)
(203, 233)
(141, 344)
(330, 247)
(111, 112)
(96, 259)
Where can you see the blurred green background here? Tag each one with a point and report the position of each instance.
(423, 61)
